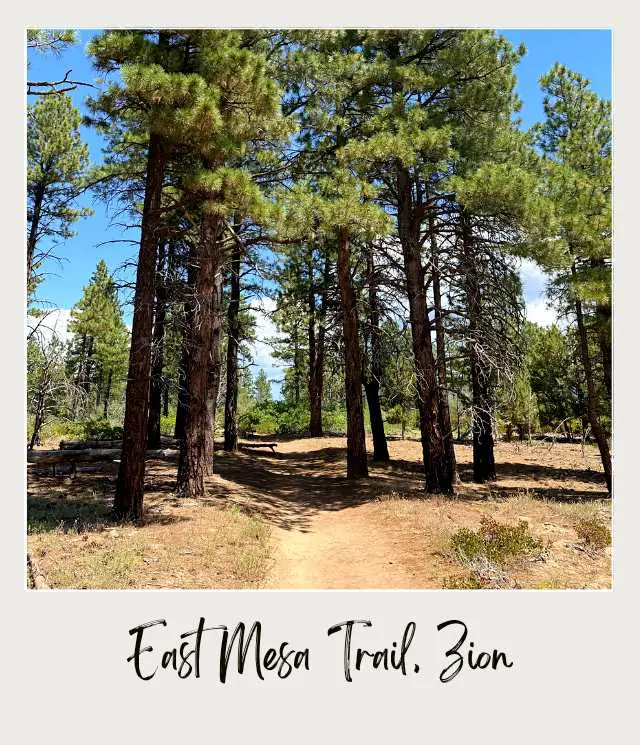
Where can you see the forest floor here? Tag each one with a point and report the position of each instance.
(290, 519)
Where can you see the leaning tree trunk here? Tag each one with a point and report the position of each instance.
(157, 367)
(233, 324)
(128, 502)
(38, 419)
(356, 444)
(372, 383)
(484, 466)
(445, 414)
(193, 465)
(33, 236)
(439, 477)
(594, 421)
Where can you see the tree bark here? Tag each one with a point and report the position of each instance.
(215, 362)
(439, 477)
(445, 414)
(157, 366)
(372, 383)
(316, 349)
(233, 324)
(183, 383)
(594, 421)
(603, 319)
(129, 496)
(356, 444)
(193, 465)
(484, 467)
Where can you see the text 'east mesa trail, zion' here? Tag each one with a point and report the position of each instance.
(282, 660)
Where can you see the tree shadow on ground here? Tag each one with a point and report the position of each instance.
(288, 489)
(82, 504)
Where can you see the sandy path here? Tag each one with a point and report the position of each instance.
(339, 550)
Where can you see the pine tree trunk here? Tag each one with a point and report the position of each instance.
(38, 418)
(439, 477)
(157, 366)
(372, 384)
(33, 235)
(356, 444)
(128, 503)
(214, 370)
(445, 414)
(316, 350)
(594, 421)
(603, 319)
(231, 394)
(181, 405)
(183, 383)
(107, 395)
(296, 367)
(194, 464)
(484, 467)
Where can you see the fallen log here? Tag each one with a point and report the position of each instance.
(90, 455)
(271, 445)
(168, 442)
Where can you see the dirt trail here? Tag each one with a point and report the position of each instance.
(328, 532)
(340, 550)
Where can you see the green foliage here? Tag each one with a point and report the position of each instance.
(102, 429)
(99, 348)
(57, 161)
(262, 387)
(496, 542)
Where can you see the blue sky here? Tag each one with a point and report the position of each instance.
(586, 51)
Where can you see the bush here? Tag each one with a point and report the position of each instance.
(168, 425)
(334, 419)
(495, 542)
(61, 429)
(593, 532)
(293, 421)
(102, 429)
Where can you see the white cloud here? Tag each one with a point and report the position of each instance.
(538, 311)
(261, 349)
(53, 322)
(534, 283)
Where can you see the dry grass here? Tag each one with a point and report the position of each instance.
(291, 518)
(182, 543)
(564, 564)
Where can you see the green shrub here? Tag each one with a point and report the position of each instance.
(62, 429)
(334, 419)
(168, 425)
(102, 429)
(593, 532)
(293, 421)
(495, 542)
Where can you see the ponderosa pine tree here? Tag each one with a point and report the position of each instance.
(248, 110)
(99, 346)
(165, 99)
(576, 140)
(57, 162)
